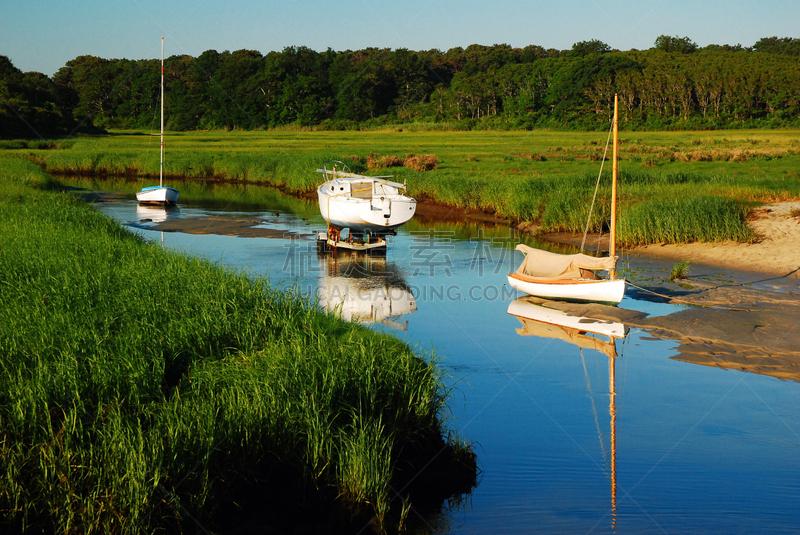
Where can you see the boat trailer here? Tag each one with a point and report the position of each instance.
(332, 241)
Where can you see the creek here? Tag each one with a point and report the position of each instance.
(574, 433)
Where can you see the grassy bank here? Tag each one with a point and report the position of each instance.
(143, 390)
(543, 177)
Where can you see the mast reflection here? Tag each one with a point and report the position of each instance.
(543, 322)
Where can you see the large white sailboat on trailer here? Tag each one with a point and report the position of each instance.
(160, 194)
(368, 206)
(572, 277)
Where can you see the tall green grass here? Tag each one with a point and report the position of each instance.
(139, 387)
(703, 218)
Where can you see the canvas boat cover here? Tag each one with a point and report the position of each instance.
(545, 265)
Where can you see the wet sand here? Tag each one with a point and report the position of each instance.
(225, 226)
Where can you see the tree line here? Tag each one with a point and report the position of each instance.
(673, 85)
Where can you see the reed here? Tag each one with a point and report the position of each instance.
(680, 270)
(702, 218)
(137, 385)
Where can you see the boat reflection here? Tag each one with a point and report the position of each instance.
(156, 213)
(364, 288)
(538, 320)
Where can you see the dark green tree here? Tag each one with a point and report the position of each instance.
(584, 48)
(29, 104)
(683, 45)
(774, 45)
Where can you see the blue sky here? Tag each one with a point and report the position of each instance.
(42, 35)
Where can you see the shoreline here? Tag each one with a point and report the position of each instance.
(777, 253)
(732, 319)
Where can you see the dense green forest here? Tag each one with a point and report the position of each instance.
(674, 85)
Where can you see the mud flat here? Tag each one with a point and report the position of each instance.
(224, 226)
(750, 323)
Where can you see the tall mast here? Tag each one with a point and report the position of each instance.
(613, 237)
(161, 168)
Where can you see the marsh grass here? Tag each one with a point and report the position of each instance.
(703, 218)
(679, 271)
(137, 384)
(543, 177)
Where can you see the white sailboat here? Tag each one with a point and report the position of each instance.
(364, 204)
(571, 277)
(160, 194)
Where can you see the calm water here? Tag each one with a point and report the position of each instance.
(570, 438)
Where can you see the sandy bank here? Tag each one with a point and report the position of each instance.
(777, 253)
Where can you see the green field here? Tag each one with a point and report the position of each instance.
(142, 390)
(674, 187)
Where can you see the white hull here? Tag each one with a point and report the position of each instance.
(361, 215)
(364, 204)
(598, 291)
(159, 195)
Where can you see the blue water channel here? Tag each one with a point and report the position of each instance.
(569, 437)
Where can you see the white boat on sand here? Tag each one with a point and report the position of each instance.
(572, 277)
(160, 194)
(370, 205)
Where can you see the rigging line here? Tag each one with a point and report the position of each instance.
(685, 301)
(597, 186)
(594, 408)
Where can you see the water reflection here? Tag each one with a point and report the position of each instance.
(156, 214)
(364, 288)
(543, 322)
(538, 320)
(147, 215)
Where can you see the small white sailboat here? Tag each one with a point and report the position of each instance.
(160, 194)
(370, 205)
(571, 277)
